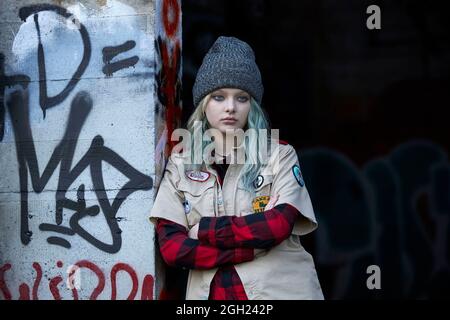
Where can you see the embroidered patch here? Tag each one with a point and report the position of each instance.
(298, 175)
(187, 206)
(259, 203)
(200, 176)
(258, 181)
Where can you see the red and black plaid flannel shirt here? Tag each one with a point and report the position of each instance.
(234, 239)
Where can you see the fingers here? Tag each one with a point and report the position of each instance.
(193, 232)
(272, 202)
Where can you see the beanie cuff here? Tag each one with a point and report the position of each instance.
(228, 79)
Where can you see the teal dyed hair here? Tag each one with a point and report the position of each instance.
(254, 161)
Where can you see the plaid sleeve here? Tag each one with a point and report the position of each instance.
(178, 250)
(259, 230)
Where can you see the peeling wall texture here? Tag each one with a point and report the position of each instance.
(87, 98)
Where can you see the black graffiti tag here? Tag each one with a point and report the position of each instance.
(110, 52)
(62, 156)
(6, 81)
(45, 101)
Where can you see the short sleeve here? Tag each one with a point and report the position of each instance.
(288, 183)
(168, 203)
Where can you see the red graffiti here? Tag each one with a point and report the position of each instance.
(3, 287)
(147, 288)
(170, 85)
(24, 292)
(53, 286)
(37, 281)
(171, 16)
(125, 267)
(98, 273)
(168, 77)
(24, 289)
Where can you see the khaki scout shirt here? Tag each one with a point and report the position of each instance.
(287, 270)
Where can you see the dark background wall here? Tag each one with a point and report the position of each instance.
(367, 112)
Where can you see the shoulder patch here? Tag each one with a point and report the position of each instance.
(197, 175)
(298, 175)
(283, 142)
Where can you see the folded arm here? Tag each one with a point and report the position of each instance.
(258, 230)
(178, 250)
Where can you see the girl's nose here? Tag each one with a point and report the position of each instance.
(230, 105)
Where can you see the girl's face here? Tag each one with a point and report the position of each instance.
(228, 109)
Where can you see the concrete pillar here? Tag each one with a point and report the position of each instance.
(88, 96)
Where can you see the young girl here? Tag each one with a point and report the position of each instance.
(235, 224)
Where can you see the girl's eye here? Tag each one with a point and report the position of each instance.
(242, 99)
(218, 97)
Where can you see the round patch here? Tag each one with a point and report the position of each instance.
(298, 175)
(199, 176)
(187, 207)
(258, 181)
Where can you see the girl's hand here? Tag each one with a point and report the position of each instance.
(272, 202)
(193, 232)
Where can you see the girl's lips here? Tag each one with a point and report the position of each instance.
(229, 120)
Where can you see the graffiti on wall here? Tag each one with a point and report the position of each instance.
(83, 179)
(57, 282)
(45, 101)
(393, 213)
(8, 81)
(110, 52)
(62, 155)
(168, 77)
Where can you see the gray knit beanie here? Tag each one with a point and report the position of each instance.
(230, 63)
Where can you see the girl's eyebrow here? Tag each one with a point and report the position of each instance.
(222, 92)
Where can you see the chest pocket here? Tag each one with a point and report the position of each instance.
(249, 203)
(198, 199)
(264, 186)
